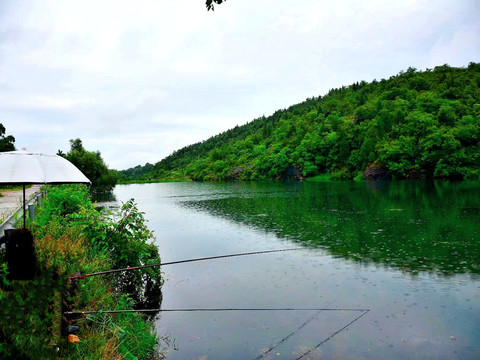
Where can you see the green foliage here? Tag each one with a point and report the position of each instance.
(415, 124)
(72, 236)
(62, 202)
(124, 237)
(92, 165)
(128, 336)
(7, 143)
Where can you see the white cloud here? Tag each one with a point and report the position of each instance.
(454, 48)
(139, 80)
(45, 102)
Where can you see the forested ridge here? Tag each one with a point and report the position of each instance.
(415, 124)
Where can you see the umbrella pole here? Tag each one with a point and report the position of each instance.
(24, 226)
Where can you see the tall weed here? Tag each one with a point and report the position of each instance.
(71, 236)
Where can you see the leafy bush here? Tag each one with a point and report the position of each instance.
(71, 236)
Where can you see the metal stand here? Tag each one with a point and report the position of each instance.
(24, 200)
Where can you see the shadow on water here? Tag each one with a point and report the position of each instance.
(144, 288)
(412, 226)
(106, 201)
(104, 197)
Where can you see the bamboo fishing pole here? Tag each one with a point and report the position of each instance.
(92, 312)
(75, 277)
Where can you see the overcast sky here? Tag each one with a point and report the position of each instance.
(137, 80)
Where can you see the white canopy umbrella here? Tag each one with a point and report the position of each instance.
(24, 168)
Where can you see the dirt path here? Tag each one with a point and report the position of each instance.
(12, 200)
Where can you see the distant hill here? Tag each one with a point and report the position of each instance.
(415, 124)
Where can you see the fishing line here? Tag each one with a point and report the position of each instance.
(332, 335)
(262, 355)
(74, 277)
(318, 311)
(76, 313)
(363, 311)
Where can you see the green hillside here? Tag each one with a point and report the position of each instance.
(415, 124)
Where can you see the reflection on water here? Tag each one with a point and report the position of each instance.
(407, 251)
(411, 226)
(106, 201)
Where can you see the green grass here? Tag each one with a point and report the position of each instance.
(14, 187)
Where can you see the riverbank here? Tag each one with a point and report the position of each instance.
(70, 236)
(152, 181)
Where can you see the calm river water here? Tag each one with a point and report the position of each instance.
(395, 266)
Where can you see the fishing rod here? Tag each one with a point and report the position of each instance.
(93, 312)
(75, 277)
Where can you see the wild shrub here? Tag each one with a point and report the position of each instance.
(71, 236)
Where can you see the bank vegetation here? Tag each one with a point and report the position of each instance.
(71, 237)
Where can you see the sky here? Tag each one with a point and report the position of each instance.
(137, 80)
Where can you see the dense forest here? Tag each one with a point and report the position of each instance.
(417, 124)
